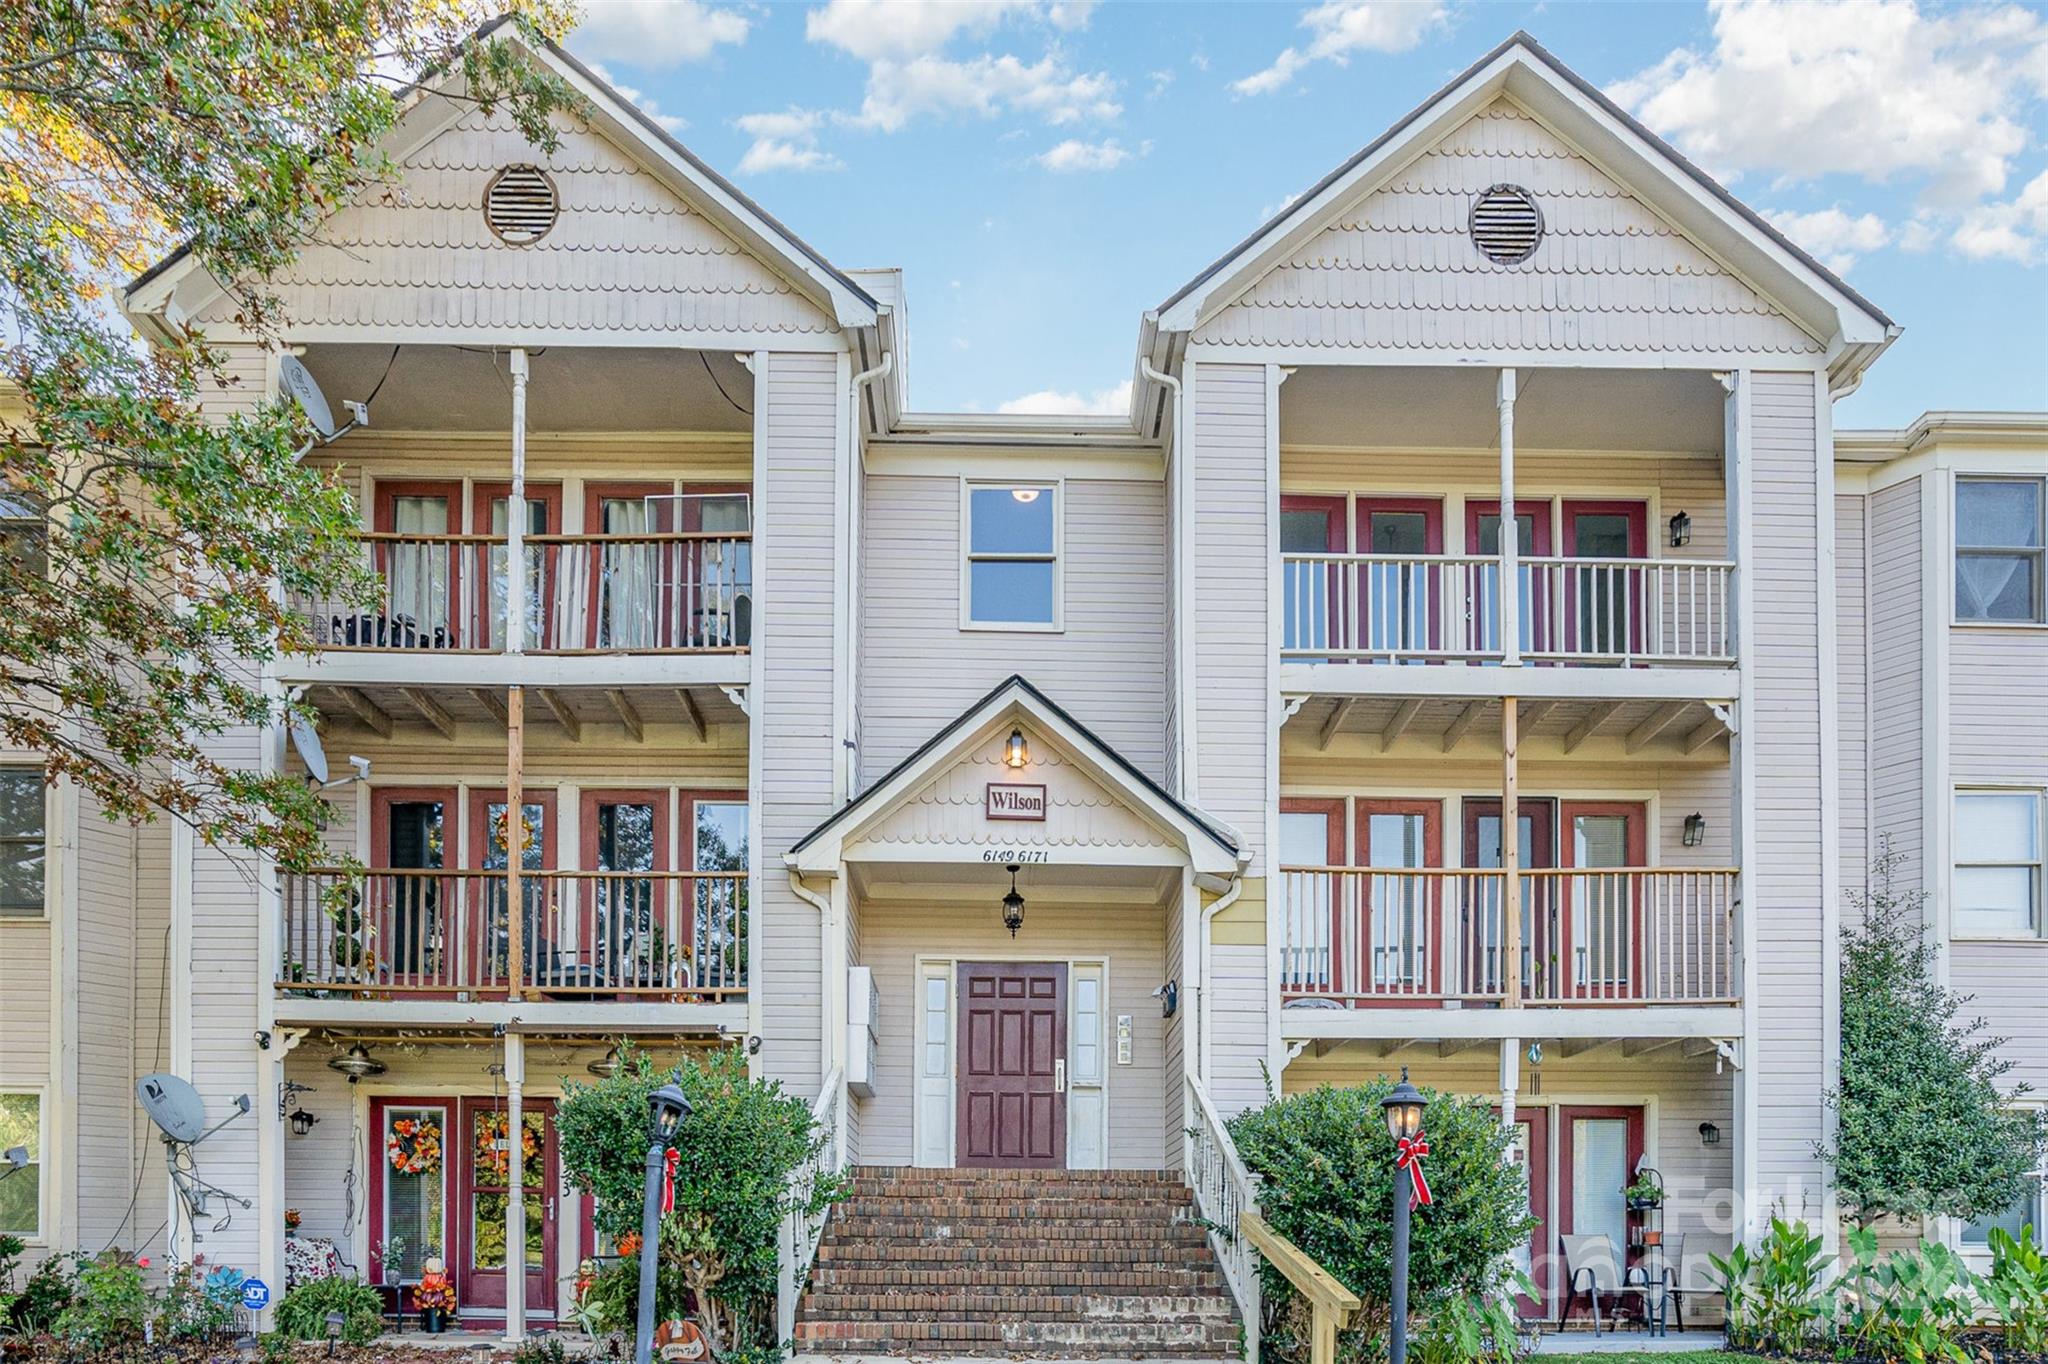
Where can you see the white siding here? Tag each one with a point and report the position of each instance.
(1896, 654)
(1783, 888)
(793, 719)
(1399, 271)
(1852, 682)
(1107, 667)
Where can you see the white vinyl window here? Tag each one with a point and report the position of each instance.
(1996, 884)
(21, 842)
(21, 1186)
(1999, 549)
(1011, 573)
(2029, 1209)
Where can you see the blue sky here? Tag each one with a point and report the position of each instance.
(1045, 172)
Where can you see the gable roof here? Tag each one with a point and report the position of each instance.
(1212, 844)
(1520, 67)
(724, 203)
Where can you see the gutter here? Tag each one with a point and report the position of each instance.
(1221, 903)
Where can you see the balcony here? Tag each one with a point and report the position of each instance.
(1370, 937)
(388, 934)
(1393, 608)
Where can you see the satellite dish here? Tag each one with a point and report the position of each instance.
(173, 1105)
(295, 379)
(306, 741)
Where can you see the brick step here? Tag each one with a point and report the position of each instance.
(1057, 1278)
(1018, 1255)
(997, 1209)
(1130, 1340)
(981, 1231)
(914, 1174)
(1016, 1188)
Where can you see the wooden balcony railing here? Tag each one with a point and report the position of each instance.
(682, 592)
(675, 936)
(1631, 935)
(1397, 608)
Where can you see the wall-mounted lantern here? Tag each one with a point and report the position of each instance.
(1710, 1135)
(1017, 752)
(1695, 830)
(1681, 530)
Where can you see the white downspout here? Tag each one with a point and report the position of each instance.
(1184, 755)
(848, 644)
(1221, 903)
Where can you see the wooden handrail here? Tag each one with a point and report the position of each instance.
(1331, 1304)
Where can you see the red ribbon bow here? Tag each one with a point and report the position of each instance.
(668, 1180)
(1412, 1150)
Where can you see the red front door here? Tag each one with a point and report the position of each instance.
(1532, 1153)
(1315, 591)
(484, 1153)
(1399, 606)
(1599, 1148)
(1602, 912)
(489, 932)
(1485, 935)
(1536, 580)
(1605, 602)
(1401, 916)
(1013, 1060)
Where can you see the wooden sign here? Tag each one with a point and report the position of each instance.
(1015, 800)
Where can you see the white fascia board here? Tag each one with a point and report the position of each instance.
(420, 668)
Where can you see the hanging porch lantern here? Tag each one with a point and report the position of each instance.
(1013, 906)
(356, 1063)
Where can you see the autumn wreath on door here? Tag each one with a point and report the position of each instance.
(494, 1152)
(414, 1146)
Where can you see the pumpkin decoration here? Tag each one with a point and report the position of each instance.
(414, 1146)
(433, 1297)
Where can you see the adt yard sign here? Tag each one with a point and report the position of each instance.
(255, 1294)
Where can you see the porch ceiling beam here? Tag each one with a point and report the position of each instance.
(1339, 713)
(1579, 1046)
(1396, 727)
(1534, 711)
(1696, 1047)
(367, 712)
(693, 717)
(1451, 1046)
(564, 716)
(1645, 1046)
(430, 710)
(628, 717)
(1598, 716)
(1660, 720)
(1463, 724)
(491, 702)
(1390, 1046)
(1704, 734)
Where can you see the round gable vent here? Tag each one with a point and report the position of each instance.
(520, 205)
(1506, 224)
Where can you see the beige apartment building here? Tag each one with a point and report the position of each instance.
(1302, 768)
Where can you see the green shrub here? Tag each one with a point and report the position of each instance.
(302, 1313)
(1909, 1305)
(742, 1144)
(1775, 1293)
(2016, 1289)
(1328, 1167)
(1464, 1328)
(192, 1306)
(43, 1297)
(109, 1306)
(541, 1349)
(277, 1347)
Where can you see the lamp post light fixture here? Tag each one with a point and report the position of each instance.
(667, 1108)
(1016, 750)
(1013, 906)
(1403, 1110)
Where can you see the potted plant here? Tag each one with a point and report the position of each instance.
(433, 1297)
(1645, 1191)
(291, 1221)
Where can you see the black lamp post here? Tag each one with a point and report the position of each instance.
(666, 1109)
(1403, 1109)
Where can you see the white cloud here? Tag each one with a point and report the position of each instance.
(1049, 402)
(1076, 155)
(1342, 27)
(1070, 14)
(897, 92)
(877, 30)
(784, 141)
(1832, 235)
(1798, 89)
(2015, 231)
(657, 33)
(1287, 201)
(672, 123)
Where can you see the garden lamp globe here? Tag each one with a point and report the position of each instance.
(1403, 1108)
(667, 1107)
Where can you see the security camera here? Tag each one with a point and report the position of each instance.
(361, 766)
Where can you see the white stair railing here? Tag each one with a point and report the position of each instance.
(801, 1233)
(1224, 1191)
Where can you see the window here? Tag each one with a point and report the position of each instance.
(1998, 549)
(2030, 1209)
(21, 842)
(1997, 879)
(1013, 572)
(21, 1193)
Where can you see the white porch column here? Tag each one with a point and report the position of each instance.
(515, 516)
(1509, 609)
(1751, 1207)
(1510, 1078)
(515, 1196)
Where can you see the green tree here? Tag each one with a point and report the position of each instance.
(744, 1142)
(1328, 1169)
(1922, 1125)
(143, 543)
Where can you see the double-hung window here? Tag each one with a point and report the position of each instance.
(1997, 880)
(21, 842)
(1012, 569)
(21, 1187)
(1999, 550)
(2030, 1209)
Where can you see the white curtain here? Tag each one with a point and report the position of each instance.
(418, 571)
(628, 600)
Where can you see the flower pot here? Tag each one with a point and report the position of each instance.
(433, 1320)
(1653, 1238)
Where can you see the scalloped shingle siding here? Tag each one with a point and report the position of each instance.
(1400, 270)
(626, 253)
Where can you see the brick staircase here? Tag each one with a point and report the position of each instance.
(1042, 1263)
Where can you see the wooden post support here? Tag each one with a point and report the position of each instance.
(1510, 857)
(515, 823)
(1331, 1304)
